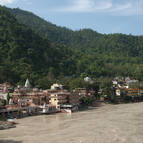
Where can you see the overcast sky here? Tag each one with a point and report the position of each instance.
(104, 16)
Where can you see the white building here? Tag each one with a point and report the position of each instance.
(87, 79)
(56, 86)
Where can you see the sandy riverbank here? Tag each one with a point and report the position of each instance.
(108, 124)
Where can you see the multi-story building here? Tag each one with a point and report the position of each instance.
(132, 92)
(73, 99)
(59, 98)
(82, 92)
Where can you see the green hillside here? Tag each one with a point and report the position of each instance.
(84, 39)
(23, 53)
(32, 47)
(56, 34)
(98, 54)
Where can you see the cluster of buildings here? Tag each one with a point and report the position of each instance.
(124, 87)
(25, 99)
(30, 99)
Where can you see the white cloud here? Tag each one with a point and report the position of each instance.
(3, 2)
(122, 7)
(86, 6)
(89, 5)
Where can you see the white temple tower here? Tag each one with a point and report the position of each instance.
(27, 84)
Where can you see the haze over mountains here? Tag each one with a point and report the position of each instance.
(32, 47)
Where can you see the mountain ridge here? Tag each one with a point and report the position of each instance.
(66, 53)
(23, 53)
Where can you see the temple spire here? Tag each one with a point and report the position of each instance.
(27, 84)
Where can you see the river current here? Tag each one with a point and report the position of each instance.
(107, 124)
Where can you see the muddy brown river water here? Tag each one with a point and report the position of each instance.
(107, 124)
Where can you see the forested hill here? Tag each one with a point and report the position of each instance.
(56, 34)
(99, 54)
(25, 54)
(85, 39)
(31, 47)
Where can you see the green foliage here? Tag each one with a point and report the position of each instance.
(44, 83)
(34, 48)
(86, 100)
(24, 54)
(77, 82)
(95, 54)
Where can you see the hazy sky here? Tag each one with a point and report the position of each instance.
(104, 16)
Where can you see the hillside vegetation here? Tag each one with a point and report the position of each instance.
(23, 53)
(32, 47)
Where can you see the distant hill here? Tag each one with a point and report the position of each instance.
(32, 47)
(98, 54)
(85, 39)
(56, 34)
(23, 53)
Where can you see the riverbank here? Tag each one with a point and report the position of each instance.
(6, 125)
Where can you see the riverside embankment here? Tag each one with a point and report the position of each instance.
(121, 123)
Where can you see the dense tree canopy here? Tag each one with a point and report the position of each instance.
(32, 47)
(23, 53)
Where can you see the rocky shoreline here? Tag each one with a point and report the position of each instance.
(5, 125)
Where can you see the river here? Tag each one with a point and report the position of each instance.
(107, 124)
